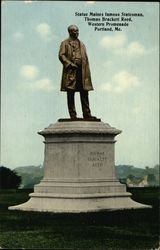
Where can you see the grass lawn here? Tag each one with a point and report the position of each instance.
(127, 229)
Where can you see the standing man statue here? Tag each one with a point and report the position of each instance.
(76, 73)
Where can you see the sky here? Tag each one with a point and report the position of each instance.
(124, 69)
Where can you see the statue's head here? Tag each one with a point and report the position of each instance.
(73, 31)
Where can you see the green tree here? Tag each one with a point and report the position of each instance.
(8, 178)
(131, 177)
(151, 179)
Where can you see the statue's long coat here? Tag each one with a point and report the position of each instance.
(69, 74)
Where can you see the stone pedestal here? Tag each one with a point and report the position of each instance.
(79, 170)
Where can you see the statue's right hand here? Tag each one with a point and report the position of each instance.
(73, 66)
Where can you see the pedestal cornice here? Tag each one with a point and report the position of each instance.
(80, 127)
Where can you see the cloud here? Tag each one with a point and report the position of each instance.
(18, 36)
(108, 64)
(133, 49)
(136, 48)
(90, 2)
(44, 31)
(28, 1)
(124, 80)
(121, 82)
(106, 87)
(118, 45)
(112, 42)
(136, 110)
(43, 84)
(29, 72)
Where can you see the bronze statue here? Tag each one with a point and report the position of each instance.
(76, 73)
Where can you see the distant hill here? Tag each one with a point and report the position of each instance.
(122, 171)
(32, 175)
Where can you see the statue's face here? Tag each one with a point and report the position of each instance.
(74, 32)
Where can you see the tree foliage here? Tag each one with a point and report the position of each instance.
(9, 179)
(151, 179)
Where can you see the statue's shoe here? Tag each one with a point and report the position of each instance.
(90, 117)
